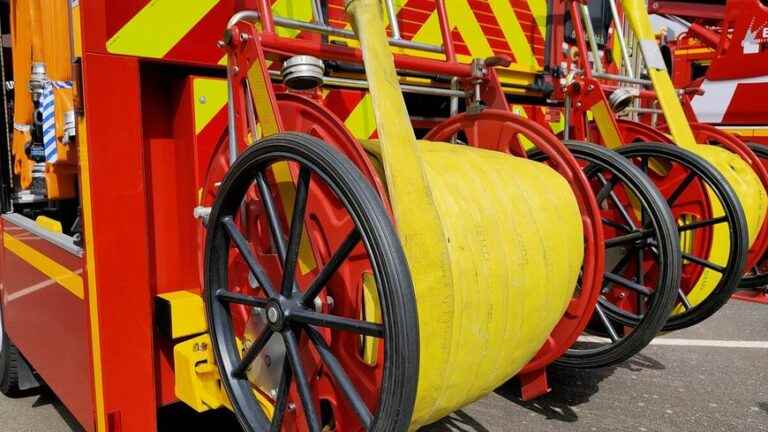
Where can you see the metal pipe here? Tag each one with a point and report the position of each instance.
(362, 84)
(596, 63)
(454, 99)
(622, 78)
(406, 88)
(245, 15)
(620, 34)
(445, 31)
(232, 132)
(325, 29)
(288, 47)
(643, 110)
(393, 25)
(578, 28)
(317, 12)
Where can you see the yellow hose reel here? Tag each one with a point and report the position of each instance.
(448, 202)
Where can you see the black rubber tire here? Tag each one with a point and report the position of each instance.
(660, 217)
(398, 306)
(10, 359)
(739, 242)
(756, 280)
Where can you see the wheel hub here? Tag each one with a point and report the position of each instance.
(275, 315)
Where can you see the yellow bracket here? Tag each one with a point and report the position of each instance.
(197, 379)
(183, 313)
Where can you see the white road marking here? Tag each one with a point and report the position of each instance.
(691, 342)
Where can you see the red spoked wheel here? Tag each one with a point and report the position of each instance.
(502, 131)
(643, 260)
(683, 179)
(350, 293)
(309, 299)
(708, 134)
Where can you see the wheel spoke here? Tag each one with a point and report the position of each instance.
(680, 188)
(274, 220)
(305, 393)
(237, 298)
(628, 238)
(704, 263)
(619, 206)
(251, 353)
(245, 250)
(606, 189)
(297, 228)
(341, 378)
(607, 323)
(282, 399)
(702, 223)
(349, 243)
(616, 224)
(634, 286)
(339, 323)
(640, 279)
(684, 300)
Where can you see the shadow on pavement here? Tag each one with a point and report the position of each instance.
(763, 406)
(572, 387)
(45, 397)
(459, 421)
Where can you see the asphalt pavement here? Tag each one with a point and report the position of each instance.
(713, 377)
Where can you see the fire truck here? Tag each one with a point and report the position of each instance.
(328, 215)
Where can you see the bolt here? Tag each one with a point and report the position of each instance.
(267, 360)
(244, 37)
(221, 44)
(272, 315)
(203, 99)
(235, 69)
(590, 87)
(291, 406)
(273, 394)
(329, 300)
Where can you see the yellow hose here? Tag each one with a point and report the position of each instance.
(754, 200)
(493, 242)
(741, 177)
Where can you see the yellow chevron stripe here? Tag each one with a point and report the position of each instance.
(159, 26)
(65, 277)
(514, 33)
(539, 11)
(210, 97)
(361, 121)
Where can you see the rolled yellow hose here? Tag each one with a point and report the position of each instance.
(754, 201)
(741, 177)
(494, 243)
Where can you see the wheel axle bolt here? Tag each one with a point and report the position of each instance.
(272, 315)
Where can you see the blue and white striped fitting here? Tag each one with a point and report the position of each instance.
(47, 109)
(62, 84)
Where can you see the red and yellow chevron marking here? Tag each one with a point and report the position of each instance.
(180, 30)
